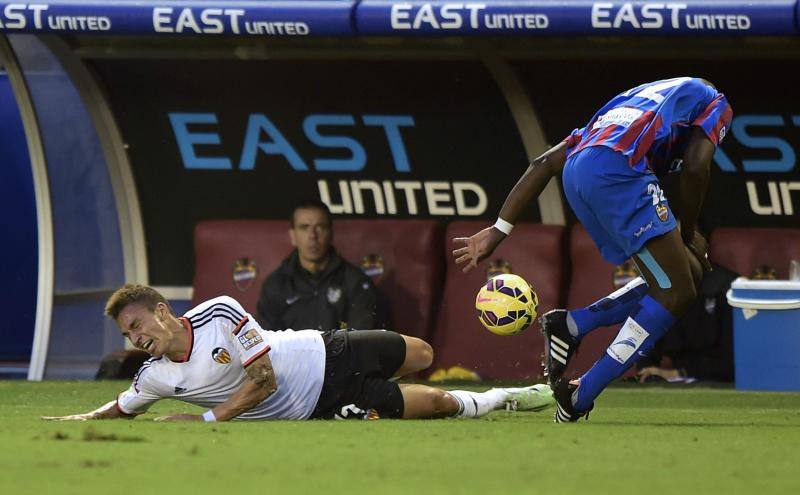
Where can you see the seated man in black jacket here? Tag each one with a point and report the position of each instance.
(314, 287)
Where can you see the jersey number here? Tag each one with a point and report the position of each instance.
(655, 191)
(651, 92)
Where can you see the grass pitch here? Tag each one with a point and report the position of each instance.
(643, 440)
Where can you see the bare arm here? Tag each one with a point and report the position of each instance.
(259, 384)
(106, 411)
(693, 186)
(482, 244)
(533, 181)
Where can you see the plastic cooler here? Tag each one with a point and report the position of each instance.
(766, 334)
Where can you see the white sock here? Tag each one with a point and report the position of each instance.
(477, 404)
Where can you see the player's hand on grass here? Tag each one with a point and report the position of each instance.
(477, 247)
(180, 417)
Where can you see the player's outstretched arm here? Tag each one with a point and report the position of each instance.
(481, 245)
(259, 384)
(106, 411)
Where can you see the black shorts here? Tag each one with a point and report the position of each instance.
(358, 366)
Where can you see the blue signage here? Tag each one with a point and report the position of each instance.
(402, 18)
(550, 17)
(237, 18)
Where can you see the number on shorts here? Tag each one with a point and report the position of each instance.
(655, 191)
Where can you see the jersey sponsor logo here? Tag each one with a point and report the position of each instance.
(622, 116)
(631, 336)
(373, 267)
(221, 355)
(245, 271)
(334, 294)
(250, 339)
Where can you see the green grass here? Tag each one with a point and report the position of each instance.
(648, 440)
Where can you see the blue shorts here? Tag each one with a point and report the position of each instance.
(620, 207)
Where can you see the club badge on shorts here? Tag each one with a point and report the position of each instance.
(244, 273)
(221, 355)
(662, 211)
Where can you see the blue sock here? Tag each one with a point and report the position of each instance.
(610, 310)
(646, 325)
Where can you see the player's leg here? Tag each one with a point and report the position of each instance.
(583, 184)
(418, 356)
(631, 209)
(421, 401)
(665, 265)
(613, 308)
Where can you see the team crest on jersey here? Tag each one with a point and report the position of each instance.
(624, 273)
(334, 294)
(244, 273)
(662, 211)
(250, 339)
(221, 355)
(373, 267)
(497, 267)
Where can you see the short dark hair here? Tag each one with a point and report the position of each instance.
(134, 294)
(312, 204)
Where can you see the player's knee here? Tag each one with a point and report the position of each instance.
(419, 353)
(443, 403)
(680, 297)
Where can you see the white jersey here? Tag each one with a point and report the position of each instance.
(223, 340)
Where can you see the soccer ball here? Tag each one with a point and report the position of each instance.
(506, 304)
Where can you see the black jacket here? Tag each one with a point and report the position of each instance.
(341, 296)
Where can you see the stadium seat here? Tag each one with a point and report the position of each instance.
(591, 279)
(535, 252)
(404, 259)
(233, 257)
(744, 249)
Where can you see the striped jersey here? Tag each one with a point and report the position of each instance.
(223, 340)
(650, 124)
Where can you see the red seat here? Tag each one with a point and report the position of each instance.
(535, 252)
(744, 249)
(410, 250)
(243, 250)
(405, 263)
(591, 279)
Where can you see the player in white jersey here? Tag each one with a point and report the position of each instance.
(217, 356)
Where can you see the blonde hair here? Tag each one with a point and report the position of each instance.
(134, 294)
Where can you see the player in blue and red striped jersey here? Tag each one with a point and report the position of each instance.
(610, 170)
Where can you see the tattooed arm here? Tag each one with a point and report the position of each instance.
(259, 384)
